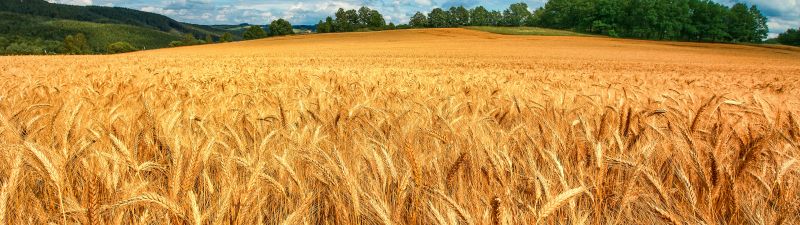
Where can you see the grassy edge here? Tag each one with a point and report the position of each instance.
(536, 31)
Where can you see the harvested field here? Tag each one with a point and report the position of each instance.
(437, 126)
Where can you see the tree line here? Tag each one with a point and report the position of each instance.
(683, 20)
(363, 19)
(790, 37)
(279, 27)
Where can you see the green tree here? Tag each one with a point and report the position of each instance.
(495, 18)
(24, 48)
(516, 14)
(76, 44)
(790, 37)
(120, 47)
(459, 16)
(741, 24)
(761, 30)
(346, 20)
(438, 18)
(325, 26)
(189, 39)
(254, 32)
(375, 20)
(226, 37)
(479, 16)
(4, 42)
(418, 20)
(209, 39)
(280, 27)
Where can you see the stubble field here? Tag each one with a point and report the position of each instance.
(439, 126)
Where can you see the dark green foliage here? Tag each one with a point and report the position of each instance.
(459, 16)
(790, 37)
(76, 44)
(369, 18)
(101, 14)
(186, 40)
(685, 20)
(346, 21)
(120, 47)
(280, 27)
(325, 26)
(365, 19)
(36, 26)
(209, 39)
(761, 29)
(479, 16)
(418, 20)
(375, 20)
(439, 18)
(24, 46)
(226, 37)
(516, 15)
(254, 32)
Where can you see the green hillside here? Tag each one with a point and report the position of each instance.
(40, 35)
(101, 14)
(39, 27)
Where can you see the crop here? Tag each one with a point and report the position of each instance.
(439, 126)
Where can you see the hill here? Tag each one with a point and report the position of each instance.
(37, 27)
(239, 29)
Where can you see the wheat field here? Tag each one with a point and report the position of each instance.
(438, 126)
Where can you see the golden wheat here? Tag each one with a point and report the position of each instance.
(438, 126)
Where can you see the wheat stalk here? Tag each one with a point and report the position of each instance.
(551, 206)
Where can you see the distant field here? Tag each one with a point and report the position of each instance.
(433, 126)
(528, 31)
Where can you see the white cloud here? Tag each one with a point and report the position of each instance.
(72, 2)
(782, 14)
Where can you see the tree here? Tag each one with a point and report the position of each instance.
(418, 20)
(76, 44)
(120, 47)
(495, 17)
(280, 27)
(438, 18)
(325, 26)
(375, 20)
(209, 39)
(516, 14)
(4, 42)
(459, 16)
(189, 39)
(479, 16)
(346, 21)
(364, 16)
(790, 37)
(741, 23)
(761, 30)
(254, 32)
(226, 37)
(391, 26)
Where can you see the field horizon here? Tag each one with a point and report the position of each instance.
(419, 126)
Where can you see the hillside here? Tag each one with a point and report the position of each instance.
(37, 27)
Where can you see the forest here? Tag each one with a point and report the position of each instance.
(680, 20)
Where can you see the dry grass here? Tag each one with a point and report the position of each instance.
(406, 127)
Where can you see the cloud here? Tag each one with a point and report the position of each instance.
(72, 2)
(782, 14)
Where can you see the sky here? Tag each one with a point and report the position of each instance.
(782, 14)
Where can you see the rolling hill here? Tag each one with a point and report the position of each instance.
(37, 27)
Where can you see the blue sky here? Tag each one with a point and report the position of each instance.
(783, 14)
